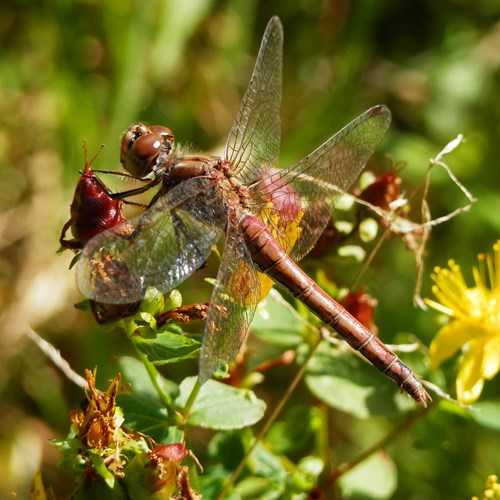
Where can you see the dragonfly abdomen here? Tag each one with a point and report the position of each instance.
(273, 261)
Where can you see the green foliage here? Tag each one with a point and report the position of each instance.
(375, 478)
(348, 385)
(79, 70)
(168, 348)
(164, 411)
(219, 406)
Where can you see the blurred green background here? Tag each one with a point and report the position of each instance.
(75, 70)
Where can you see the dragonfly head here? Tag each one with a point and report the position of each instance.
(143, 148)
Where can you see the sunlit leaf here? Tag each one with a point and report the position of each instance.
(219, 406)
(265, 463)
(269, 476)
(354, 252)
(375, 477)
(135, 374)
(153, 302)
(99, 466)
(348, 383)
(487, 414)
(277, 322)
(305, 475)
(168, 347)
(259, 487)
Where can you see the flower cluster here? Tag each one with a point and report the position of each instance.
(492, 491)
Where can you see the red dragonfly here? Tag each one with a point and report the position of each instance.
(271, 218)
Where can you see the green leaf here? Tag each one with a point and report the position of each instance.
(305, 476)
(172, 300)
(487, 414)
(227, 449)
(168, 347)
(70, 449)
(376, 477)
(259, 487)
(146, 414)
(295, 430)
(99, 466)
(84, 306)
(347, 383)
(269, 476)
(135, 374)
(219, 406)
(354, 252)
(212, 483)
(276, 321)
(263, 462)
(268, 479)
(153, 302)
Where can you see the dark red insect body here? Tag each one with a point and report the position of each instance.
(93, 210)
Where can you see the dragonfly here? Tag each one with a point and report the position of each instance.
(270, 217)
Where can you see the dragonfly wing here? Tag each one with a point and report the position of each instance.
(254, 139)
(232, 306)
(160, 248)
(296, 203)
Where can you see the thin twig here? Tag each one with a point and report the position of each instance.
(55, 356)
(400, 429)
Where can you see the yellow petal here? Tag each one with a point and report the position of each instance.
(266, 284)
(470, 378)
(439, 307)
(491, 358)
(450, 339)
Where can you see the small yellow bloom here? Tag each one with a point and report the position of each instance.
(492, 491)
(475, 325)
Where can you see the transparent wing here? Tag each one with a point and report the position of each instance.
(296, 203)
(253, 143)
(160, 248)
(232, 305)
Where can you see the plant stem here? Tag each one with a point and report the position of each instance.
(271, 419)
(400, 429)
(154, 377)
(191, 399)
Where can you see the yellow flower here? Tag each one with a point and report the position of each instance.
(475, 326)
(492, 491)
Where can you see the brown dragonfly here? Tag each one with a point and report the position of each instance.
(270, 217)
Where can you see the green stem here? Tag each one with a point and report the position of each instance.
(191, 399)
(154, 376)
(400, 429)
(272, 418)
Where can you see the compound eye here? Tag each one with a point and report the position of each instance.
(142, 154)
(165, 132)
(167, 137)
(128, 139)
